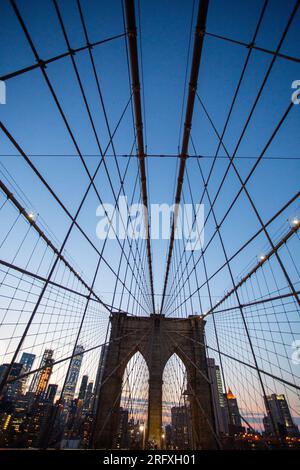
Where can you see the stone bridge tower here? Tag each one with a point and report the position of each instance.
(157, 338)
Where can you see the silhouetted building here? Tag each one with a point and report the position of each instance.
(219, 402)
(83, 387)
(180, 427)
(51, 393)
(27, 359)
(122, 441)
(88, 400)
(168, 435)
(99, 376)
(279, 420)
(73, 374)
(135, 433)
(267, 426)
(14, 389)
(235, 422)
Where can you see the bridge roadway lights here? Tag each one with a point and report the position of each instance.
(157, 338)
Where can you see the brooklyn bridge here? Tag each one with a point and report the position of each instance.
(149, 236)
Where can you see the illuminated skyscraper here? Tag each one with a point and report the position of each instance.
(44, 377)
(219, 403)
(14, 389)
(27, 359)
(235, 422)
(73, 374)
(40, 379)
(279, 420)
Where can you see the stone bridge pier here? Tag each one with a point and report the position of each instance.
(157, 338)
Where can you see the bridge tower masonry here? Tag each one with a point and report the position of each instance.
(157, 338)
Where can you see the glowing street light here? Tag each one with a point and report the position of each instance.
(262, 257)
(294, 221)
(142, 430)
(163, 443)
(32, 215)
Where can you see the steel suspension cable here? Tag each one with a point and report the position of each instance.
(197, 52)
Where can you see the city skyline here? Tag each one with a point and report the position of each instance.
(138, 404)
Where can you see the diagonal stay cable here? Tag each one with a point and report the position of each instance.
(41, 234)
(252, 238)
(57, 198)
(44, 63)
(268, 255)
(248, 177)
(52, 283)
(97, 80)
(235, 95)
(244, 363)
(45, 75)
(252, 45)
(68, 358)
(74, 222)
(250, 199)
(241, 309)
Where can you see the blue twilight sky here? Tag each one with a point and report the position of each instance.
(31, 116)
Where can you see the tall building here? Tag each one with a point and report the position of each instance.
(88, 401)
(99, 375)
(27, 359)
(168, 434)
(121, 439)
(235, 422)
(51, 393)
(73, 374)
(279, 420)
(14, 389)
(267, 426)
(83, 386)
(180, 427)
(134, 432)
(46, 362)
(219, 402)
(44, 377)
